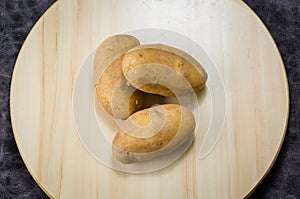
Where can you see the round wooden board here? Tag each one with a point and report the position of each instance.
(257, 99)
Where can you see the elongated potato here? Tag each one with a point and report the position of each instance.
(162, 70)
(153, 132)
(117, 97)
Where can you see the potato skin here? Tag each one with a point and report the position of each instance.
(178, 127)
(110, 49)
(138, 64)
(117, 97)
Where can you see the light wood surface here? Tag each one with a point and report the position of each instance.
(257, 99)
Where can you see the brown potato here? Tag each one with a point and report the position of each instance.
(115, 94)
(161, 69)
(153, 132)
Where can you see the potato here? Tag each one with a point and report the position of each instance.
(161, 69)
(153, 132)
(117, 97)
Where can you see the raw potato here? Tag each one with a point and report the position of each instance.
(159, 69)
(178, 126)
(117, 97)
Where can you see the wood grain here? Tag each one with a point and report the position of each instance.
(257, 99)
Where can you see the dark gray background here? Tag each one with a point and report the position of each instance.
(282, 17)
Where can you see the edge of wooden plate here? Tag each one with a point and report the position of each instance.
(10, 102)
(287, 97)
(286, 86)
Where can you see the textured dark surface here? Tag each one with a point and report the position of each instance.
(16, 20)
(282, 18)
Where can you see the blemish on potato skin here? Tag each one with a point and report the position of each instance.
(179, 65)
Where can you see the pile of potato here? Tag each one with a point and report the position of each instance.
(132, 73)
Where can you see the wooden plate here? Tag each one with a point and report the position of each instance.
(256, 90)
